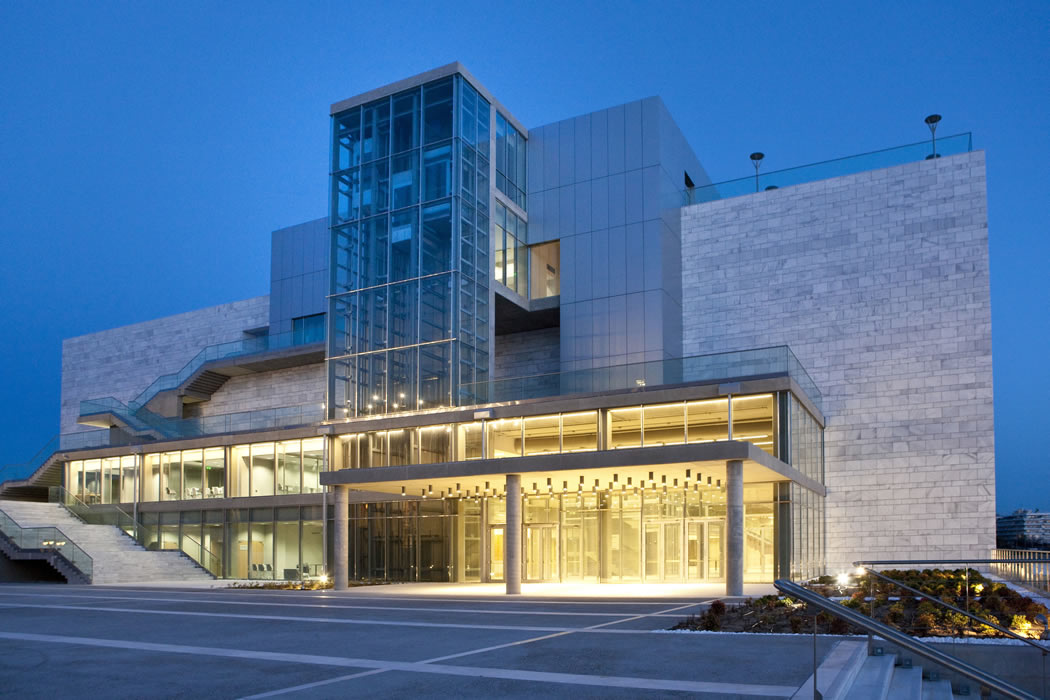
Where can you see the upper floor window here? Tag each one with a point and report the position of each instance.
(308, 329)
(510, 161)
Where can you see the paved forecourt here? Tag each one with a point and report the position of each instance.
(169, 642)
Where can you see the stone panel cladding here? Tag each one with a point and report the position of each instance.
(528, 353)
(285, 387)
(879, 283)
(121, 362)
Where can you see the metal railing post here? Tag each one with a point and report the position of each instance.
(816, 692)
(967, 588)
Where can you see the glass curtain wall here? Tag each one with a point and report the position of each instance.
(511, 161)
(619, 535)
(409, 311)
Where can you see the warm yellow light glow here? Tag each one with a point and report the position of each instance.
(842, 579)
(706, 402)
(754, 396)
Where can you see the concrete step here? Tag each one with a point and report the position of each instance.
(906, 684)
(873, 680)
(116, 557)
(937, 690)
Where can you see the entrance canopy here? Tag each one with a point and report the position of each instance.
(648, 467)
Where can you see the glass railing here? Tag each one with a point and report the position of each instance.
(44, 539)
(775, 179)
(242, 421)
(201, 554)
(220, 351)
(1028, 567)
(718, 367)
(148, 537)
(83, 440)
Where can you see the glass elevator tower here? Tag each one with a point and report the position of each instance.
(409, 296)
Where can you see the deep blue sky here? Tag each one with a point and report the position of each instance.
(147, 150)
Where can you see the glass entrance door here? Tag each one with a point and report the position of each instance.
(715, 548)
(496, 543)
(541, 552)
(704, 542)
(663, 551)
(580, 547)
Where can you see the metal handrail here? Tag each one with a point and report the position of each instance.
(938, 601)
(203, 550)
(135, 525)
(88, 573)
(898, 562)
(903, 640)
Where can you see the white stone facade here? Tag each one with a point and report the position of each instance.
(295, 386)
(121, 362)
(879, 283)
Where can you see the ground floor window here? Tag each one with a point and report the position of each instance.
(625, 535)
(611, 536)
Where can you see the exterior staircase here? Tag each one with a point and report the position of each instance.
(117, 558)
(849, 673)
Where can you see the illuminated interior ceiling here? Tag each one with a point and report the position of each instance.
(705, 474)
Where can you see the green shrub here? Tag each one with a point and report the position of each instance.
(895, 613)
(797, 623)
(928, 608)
(710, 622)
(925, 621)
(1020, 623)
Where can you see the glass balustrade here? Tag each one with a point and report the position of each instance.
(46, 538)
(850, 165)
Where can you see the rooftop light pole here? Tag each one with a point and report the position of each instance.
(756, 160)
(931, 121)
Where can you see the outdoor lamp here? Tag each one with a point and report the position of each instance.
(756, 159)
(932, 121)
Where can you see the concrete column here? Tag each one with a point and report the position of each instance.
(734, 527)
(512, 540)
(341, 546)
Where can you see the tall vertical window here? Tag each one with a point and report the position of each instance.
(410, 200)
(512, 259)
(510, 161)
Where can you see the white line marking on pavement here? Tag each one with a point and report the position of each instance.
(416, 667)
(327, 620)
(315, 684)
(326, 606)
(592, 628)
(351, 595)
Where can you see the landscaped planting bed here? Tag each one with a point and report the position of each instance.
(887, 603)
